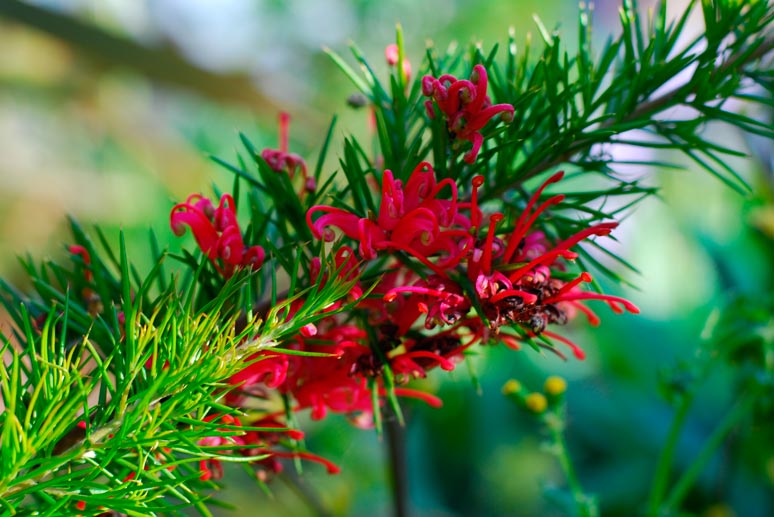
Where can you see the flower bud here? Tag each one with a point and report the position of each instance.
(391, 54)
(555, 386)
(536, 402)
(428, 85)
(511, 387)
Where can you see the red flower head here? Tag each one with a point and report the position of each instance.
(412, 219)
(216, 232)
(514, 275)
(465, 105)
(280, 160)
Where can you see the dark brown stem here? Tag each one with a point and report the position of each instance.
(396, 448)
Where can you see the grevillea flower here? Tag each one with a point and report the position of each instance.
(217, 233)
(265, 442)
(413, 219)
(281, 160)
(259, 443)
(440, 299)
(513, 275)
(512, 272)
(465, 105)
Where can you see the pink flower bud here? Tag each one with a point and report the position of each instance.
(391, 54)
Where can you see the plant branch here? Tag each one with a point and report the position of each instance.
(585, 505)
(689, 477)
(664, 464)
(644, 111)
(396, 448)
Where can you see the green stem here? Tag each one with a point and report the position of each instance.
(686, 481)
(585, 505)
(664, 465)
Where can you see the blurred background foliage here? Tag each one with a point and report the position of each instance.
(109, 110)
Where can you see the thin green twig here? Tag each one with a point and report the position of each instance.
(689, 477)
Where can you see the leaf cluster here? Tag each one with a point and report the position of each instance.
(109, 378)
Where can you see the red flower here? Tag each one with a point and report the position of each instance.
(217, 233)
(280, 160)
(439, 298)
(465, 105)
(265, 442)
(411, 219)
(264, 370)
(513, 275)
(211, 468)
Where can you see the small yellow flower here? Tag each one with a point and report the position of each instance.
(536, 402)
(555, 386)
(719, 510)
(511, 387)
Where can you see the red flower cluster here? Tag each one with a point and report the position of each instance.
(465, 105)
(414, 219)
(217, 233)
(412, 323)
(451, 278)
(339, 382)
(511, 270)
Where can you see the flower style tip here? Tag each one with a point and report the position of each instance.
(282, 160)
(427, 398)
(331, 467)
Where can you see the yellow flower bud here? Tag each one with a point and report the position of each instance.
(511, 387)
(536, 402)
(555, 386)
(719, 510)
